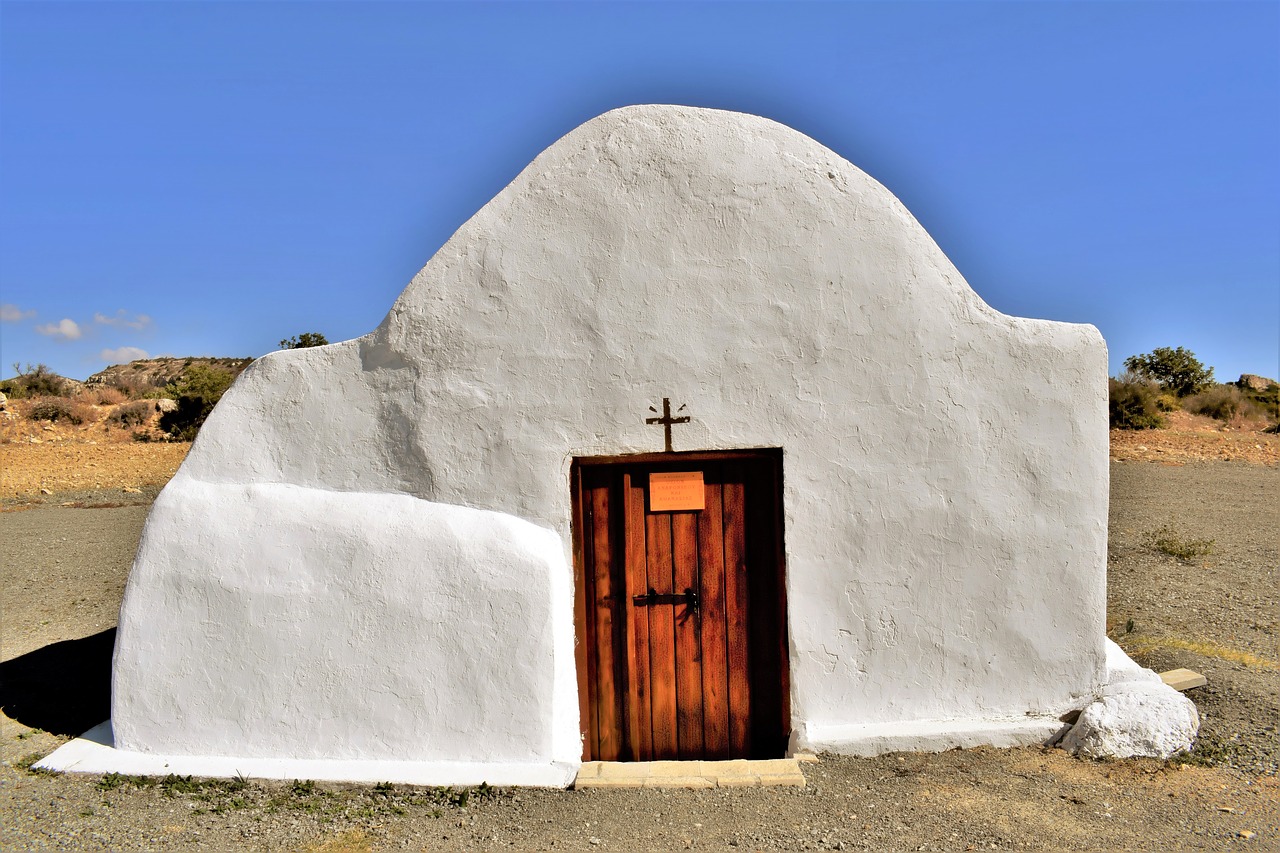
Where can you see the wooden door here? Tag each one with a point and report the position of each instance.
(681, 614)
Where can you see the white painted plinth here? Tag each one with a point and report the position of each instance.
(94, 752)
(927, 735)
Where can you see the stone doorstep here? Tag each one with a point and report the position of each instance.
(739, 773)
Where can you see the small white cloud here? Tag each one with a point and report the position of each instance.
(10, 313)
(138, 322)
(67, 330)
(122, 355)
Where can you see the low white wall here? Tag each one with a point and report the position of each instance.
(277, 621)
(945, 465)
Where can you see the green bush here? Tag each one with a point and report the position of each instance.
(1177, 370)
(1133, 403)
(37, 381)
(197, 391)
(304, 340)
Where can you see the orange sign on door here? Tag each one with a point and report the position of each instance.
(676, 491)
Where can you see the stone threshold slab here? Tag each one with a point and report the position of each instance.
(739, 773)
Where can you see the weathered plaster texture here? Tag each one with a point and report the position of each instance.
(945, 466)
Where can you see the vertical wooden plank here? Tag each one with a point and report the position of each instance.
(608, 709)
(715, 661)
(767, 594)
(737, 613)
(684, 559)
(782, 640)
(582, 653)
(640, 716)
(662, 637)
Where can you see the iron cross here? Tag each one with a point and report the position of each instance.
(666, 420)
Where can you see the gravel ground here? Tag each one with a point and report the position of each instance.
(63, 571)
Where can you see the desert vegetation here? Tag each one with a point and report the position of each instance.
(1169, 379)
(304, 340)
(34, 381)
(1159, 389)
(161, 399)
(196, 393)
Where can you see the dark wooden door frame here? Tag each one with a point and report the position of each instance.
(617, 634)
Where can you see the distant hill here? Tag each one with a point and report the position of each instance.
(159, 372)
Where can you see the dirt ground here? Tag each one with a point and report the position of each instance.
(63, 564)
(39, 459)
(1197, 438)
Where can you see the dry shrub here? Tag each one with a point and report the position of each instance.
(134, 414)
(132, 387)
(1222, 402)
(1267, 401)
(31, 382)
(107, 396)
(1173, 542)
(1134, 403)
(49, 409)
(84, 413)
(54, 409)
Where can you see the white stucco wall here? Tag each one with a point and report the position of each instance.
(945, 478)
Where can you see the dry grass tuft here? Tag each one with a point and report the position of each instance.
(351, 841)
(1169, 540)
(106, 396)
(1204, 648)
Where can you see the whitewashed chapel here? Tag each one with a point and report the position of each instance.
(689, 444)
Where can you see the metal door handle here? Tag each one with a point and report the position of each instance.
(651, 598)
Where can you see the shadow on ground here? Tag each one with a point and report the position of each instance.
(64, 688)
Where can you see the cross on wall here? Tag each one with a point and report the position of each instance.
(666, 420)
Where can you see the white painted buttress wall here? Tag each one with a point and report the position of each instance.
(944, 464)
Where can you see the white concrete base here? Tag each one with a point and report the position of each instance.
(927, 735)
(94, 752)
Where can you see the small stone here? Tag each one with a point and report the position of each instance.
(45, 492)
(130, 490)
(1245, 834)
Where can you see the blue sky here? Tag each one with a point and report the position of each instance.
(208, 178)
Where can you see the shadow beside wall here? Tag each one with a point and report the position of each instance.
(63, 688)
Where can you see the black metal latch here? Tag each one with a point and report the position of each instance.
(650, 598)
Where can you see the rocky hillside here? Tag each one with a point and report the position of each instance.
(159, 372)
(1254, 382)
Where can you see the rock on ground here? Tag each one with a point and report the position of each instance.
(1138, 716)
